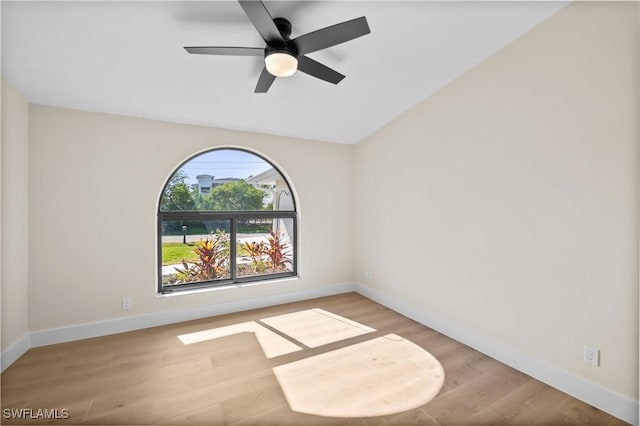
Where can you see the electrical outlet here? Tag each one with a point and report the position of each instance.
(591, 355)
(126, 304)
(368, 275)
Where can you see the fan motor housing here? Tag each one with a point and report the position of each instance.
(288, 48)
(286, 45)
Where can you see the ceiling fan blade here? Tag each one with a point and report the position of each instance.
(224, 50)
(330, 36)
(264, 81)
(316, 69)
(261, 19)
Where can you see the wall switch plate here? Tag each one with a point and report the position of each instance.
(126, 304)
(368, 275)
(591, 355)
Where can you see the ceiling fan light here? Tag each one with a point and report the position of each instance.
(281, 64)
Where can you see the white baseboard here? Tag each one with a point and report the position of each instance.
(618, 405)
(593, 394)
(120, 325)
(15, 351)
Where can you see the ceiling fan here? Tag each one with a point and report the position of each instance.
(282, 55)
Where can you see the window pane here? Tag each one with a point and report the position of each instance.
(227, 180)
(265, 246)
(195, 251)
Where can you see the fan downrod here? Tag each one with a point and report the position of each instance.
(284, 26)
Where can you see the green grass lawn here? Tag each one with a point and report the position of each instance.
(173, 253)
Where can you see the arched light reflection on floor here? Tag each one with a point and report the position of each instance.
(381, 376)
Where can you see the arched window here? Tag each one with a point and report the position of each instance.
(225, 216)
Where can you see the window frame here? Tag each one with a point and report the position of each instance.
(233, 216)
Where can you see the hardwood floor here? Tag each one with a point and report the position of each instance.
(150, 377)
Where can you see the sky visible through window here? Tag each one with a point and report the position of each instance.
(225, 163)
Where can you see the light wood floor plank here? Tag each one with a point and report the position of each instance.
(527, 404)
(150, 377)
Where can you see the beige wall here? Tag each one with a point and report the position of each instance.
(15, 126)
(508, 201)
(94, 184)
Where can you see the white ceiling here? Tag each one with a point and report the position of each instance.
(127, 58)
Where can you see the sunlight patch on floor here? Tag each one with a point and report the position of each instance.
(272, 344)
(317, 327)
(381, 376)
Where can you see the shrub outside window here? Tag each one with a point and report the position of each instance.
(225, 216)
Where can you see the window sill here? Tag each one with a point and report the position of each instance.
(226, 287)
